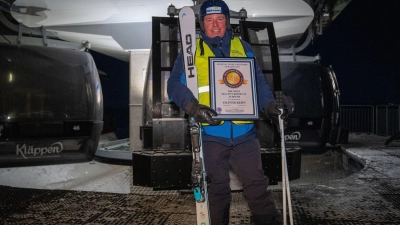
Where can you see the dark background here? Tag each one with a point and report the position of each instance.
(361, 44)
(115, 87)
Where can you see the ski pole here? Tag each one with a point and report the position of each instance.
(288, 194)
(283, 157)
(285, 175)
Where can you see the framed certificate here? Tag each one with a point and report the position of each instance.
(233, 88)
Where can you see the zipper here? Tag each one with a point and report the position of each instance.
(220, 48)
(231, 133)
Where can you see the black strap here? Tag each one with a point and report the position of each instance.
(201, 47)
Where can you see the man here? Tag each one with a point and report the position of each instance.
(226, 142)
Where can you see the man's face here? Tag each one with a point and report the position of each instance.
(215, 25)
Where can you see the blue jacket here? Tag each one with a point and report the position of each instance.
(228, 134)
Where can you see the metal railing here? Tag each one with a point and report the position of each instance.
(357, 118)
(382, 120)
(387, 119)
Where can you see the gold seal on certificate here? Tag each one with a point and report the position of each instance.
(233, 88)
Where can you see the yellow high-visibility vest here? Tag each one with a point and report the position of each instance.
(201, 62)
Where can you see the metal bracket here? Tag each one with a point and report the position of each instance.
(294, 54)
(20, 28)
(44, 36)
(173, 11)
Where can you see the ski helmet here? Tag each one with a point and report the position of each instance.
(214, 7)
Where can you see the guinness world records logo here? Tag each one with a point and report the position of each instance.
(233, 78)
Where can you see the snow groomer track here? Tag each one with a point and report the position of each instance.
(368, 196)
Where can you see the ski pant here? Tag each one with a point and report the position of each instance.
(245, 160)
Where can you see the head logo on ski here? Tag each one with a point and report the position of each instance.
(190, 61)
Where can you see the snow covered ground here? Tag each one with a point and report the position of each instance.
(367, 192)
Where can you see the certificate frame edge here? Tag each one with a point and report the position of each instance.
(253, 116)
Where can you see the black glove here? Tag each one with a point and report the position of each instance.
(202, 113)
(272, 110)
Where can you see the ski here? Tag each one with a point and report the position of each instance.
(187, 26)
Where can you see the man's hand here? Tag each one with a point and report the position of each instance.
(202, 113)
(283, 105)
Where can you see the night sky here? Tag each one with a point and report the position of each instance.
(115, 87)
(362, 45)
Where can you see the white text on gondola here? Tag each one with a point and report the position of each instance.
(32, 151)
